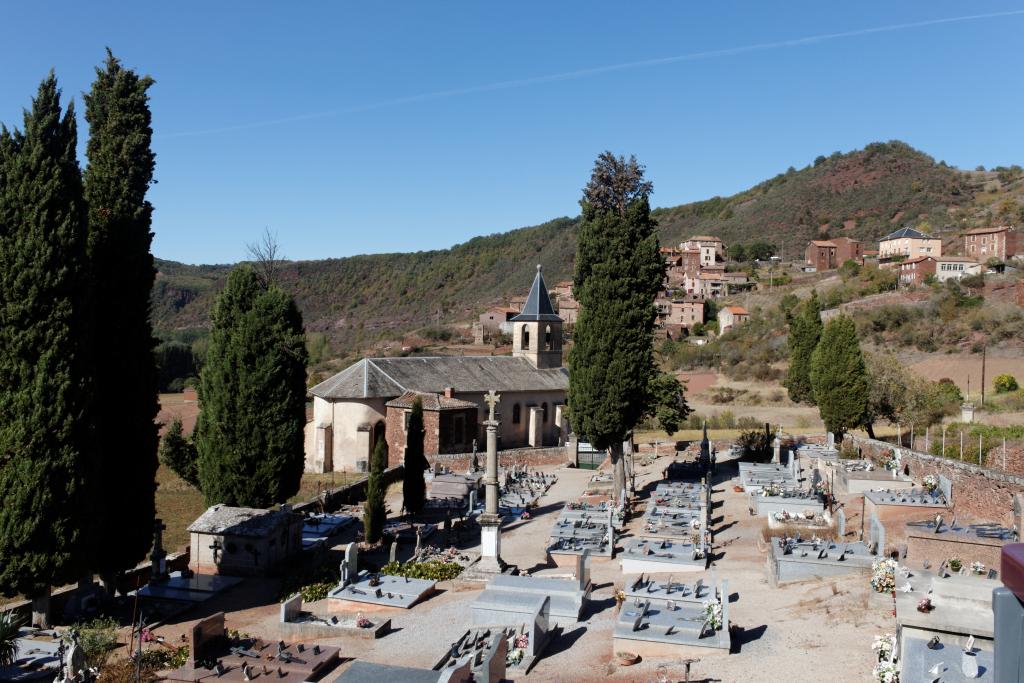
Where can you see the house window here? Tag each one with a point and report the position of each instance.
(405, 424)
(516, 414)
(526, 338)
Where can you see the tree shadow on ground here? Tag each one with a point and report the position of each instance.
(725, 527)
(595, 607)
(742, 636)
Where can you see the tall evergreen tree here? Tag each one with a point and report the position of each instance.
(252, 390)
(374, 511)
(618, 274)
(119, 173)
(179, 453)
(839, 377)
(47, 448)
(804, 333)
(414, 487)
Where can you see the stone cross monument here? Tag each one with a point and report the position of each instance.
(490, 520)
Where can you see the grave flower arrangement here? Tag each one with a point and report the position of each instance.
(363, 622)
(883, 575)
(955, 564)
(772, 489)
(884, 646)
(515, 656)
(886, 672)
(925, 605)
(931, 483)
(977, 568)
(821, 488)
(887, 460)
(713, 614)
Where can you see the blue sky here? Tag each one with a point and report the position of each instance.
(307, 117)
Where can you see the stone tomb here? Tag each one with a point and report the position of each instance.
(755, 476)
(793, 560)
(915, 497)
(571, 535)
(38, 654)
(294, 621)
(858, 476)
(663, 627)
(528, 632)
(213, 655)
(369, 592)
(507, 598)
(186, 587)
(652, 555)
(241, 541)
(674, 523)
(318, 528)
(962, 611)
(791, 503)
(936, 539)
(368, 672)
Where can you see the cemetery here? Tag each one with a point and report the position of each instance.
(858, 476)
(535, 597)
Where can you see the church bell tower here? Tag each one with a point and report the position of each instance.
(537, 330)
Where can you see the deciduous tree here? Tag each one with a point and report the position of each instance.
(252, 391)
(618, 273)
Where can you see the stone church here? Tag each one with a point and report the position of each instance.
(371, 399)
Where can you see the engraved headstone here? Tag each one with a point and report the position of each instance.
(352, 562)
(393, 553)
(841, 523)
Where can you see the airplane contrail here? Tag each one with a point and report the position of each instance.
(594, 71)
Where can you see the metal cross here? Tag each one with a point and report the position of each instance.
(492, 399)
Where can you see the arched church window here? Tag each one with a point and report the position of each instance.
(526, 338)
(516, 414)
(548, 345)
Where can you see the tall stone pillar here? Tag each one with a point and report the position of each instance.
(490, 520)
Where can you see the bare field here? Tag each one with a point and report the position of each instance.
(960, 367)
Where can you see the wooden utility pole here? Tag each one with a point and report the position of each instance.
(984, 349)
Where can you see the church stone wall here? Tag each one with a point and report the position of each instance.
(346, 418)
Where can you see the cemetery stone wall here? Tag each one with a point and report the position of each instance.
(923, 545)
(530, 457)
(979, 493)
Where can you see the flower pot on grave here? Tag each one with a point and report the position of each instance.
(627, 658)
(970, 664)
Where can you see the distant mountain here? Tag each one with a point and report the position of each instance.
(357, 300)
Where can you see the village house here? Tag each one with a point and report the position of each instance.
(568, 307)
(830, 254)
(914, 271)
(350, 409)
(679, 311)
(498, 320)
(730, 317)
(982, 244)
(909, 243)
(955, 267)
(709, 249)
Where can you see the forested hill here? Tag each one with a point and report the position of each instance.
(360, 299)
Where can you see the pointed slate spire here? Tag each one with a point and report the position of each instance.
(538, 303)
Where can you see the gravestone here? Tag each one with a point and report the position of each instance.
(841, 523)
(830, 442)
(776, 445)
(1018, 514)
(790, 463)
(393, 553)
(472, 502)
(419, 541)
(462, 672)
(946, 486)
(583, 569)
(291, 609)
(350, 567)
(158, 558)
(876, 535)
(493, 669)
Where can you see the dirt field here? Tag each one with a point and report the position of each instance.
(960, 367)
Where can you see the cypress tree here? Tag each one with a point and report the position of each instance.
(252, 393)
(47, 449)
(839, 377)
(414, 487)
(373, 509)
(618, 274)
(804, 333)
(119, 173)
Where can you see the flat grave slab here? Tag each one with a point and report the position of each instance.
(395, 592)
(368, 672)
(192, 588)
(917, 660)
(916, 497)
(789, 502)
(651, 555)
